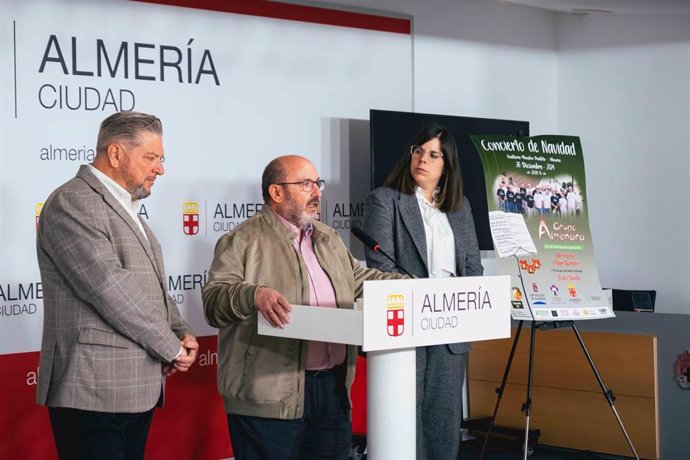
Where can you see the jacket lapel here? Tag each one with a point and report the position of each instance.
(98, 186)
(412, 219)
(153, 250)
(456, 224)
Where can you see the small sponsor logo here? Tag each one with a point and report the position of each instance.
(517, 304)
(572, 291)
(535, 288)
(554, 289)
(517, 293)
(190, 218)
(554, 313)
(395, 315)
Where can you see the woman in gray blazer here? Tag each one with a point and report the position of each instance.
(421, 218)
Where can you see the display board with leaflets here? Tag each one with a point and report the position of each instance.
(538, 211)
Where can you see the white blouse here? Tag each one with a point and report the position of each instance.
(440, 243)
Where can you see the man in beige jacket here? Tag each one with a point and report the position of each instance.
(285, 398)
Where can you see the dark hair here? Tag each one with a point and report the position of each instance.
(125, 127)
(274, 172)
(450, 196)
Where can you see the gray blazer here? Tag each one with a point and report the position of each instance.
(108, 320)
(393, 219)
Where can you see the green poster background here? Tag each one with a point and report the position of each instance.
(543, 179)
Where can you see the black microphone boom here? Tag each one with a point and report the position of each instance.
(374, 246)
(366, 239)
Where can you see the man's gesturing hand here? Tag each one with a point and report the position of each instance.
(273, 306)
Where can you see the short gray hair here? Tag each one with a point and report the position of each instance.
(126, 127)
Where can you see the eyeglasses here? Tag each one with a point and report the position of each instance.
(149, 158)
(419, 152)
(307, 184)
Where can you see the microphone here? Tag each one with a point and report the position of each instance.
(371, 243)
(366, 239)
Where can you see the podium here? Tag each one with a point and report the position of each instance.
(396, 316)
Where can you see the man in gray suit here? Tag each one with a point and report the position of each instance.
(111, 332)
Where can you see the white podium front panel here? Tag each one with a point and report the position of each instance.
(336, 325)
(419, 312)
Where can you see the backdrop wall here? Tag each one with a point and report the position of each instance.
(233, 91)
(599, 77)
(624, 88)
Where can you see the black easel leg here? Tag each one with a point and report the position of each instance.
(608, 394)
(527, 405)
(500, 389)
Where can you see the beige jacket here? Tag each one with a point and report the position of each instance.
(259, 375)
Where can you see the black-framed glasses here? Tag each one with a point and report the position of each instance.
(419, 152)
(307, 184)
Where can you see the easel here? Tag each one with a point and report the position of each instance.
(527, 405)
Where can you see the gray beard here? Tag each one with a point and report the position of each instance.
(300, 220)
(138, 193)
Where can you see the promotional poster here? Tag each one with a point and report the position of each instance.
(538, 210)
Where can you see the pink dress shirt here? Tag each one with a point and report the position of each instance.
(320, 355)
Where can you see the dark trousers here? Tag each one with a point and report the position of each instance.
(87, 435)
(323, 433)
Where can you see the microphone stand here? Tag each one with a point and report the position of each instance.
(372, 244)
(397, 265)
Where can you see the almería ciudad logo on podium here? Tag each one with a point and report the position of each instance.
(395, 314)
(190, 217)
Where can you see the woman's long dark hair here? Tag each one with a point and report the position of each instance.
(450, 196)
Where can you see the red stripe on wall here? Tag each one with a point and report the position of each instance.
(193, 423)
(292, 12)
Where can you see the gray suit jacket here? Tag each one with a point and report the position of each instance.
(393, 219)
(108, 320)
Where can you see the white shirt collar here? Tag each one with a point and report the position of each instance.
(419, 193)
(121, 195)
(119, 192)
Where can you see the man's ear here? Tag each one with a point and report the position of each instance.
(115, 155)
(276, 193)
